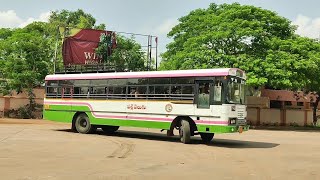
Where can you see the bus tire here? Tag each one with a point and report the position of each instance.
(109, 129)
(206, 137)
(184, 131)
(83, 124)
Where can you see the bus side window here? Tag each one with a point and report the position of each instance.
(119, 92)
(51, 92)
(204, 95)
(161, 92)
(67, 92)
(176, 90)
(217, 92)
(137, 91)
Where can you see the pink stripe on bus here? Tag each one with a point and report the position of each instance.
(212, 122)
(134, 76)
(151, 118)
(151, 74)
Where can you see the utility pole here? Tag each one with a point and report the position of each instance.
(156, 39)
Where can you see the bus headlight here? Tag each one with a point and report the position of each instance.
(233, 120)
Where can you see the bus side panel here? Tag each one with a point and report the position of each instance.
(59, 113)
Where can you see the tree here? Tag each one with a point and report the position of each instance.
(256, 40)
(128, 55)
(224, 36)
(25, 61)
(78, 19)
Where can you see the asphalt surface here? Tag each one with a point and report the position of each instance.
(38, 149)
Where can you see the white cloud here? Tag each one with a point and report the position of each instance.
(166, 26)
(9, 19)
(44, 17)
(309, 27)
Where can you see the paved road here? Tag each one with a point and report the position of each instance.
(38, 149)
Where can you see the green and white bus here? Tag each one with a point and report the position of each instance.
(195, 102)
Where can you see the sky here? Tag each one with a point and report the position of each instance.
(152, 17)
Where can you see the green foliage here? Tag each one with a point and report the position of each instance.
(77, 18)
(105, 44)
(25, 60)
(128, 55)
(253, 39)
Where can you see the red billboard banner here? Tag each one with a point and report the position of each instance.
(80, 47)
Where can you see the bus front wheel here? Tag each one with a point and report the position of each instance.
(109, 129)
(83, 125)
(185, 132)
(206, 137)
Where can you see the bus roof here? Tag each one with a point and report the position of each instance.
(150, 74)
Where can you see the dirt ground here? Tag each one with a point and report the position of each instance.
(38, 149)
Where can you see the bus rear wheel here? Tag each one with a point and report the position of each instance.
(206, 137)
(185, 131)
(83, 125)
(109, 129)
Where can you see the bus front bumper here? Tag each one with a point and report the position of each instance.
(222, 129)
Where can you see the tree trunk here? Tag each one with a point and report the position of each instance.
(315, 108)
(32, 103)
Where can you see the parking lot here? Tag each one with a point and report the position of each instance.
(38, 149)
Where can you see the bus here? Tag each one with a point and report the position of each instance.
(193, 102)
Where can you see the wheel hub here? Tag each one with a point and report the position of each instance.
(83, 123)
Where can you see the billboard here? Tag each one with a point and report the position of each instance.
(80, 44)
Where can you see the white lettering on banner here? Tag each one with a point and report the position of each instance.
(87, 55)
(92, 58)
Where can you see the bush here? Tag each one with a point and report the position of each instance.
(25, 112)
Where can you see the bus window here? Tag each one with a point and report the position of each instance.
(67, 92)
(161, 92)
(117, 82)
(161, 89)
(137, 91)
(159, 81)
(188, 90)
(118, 92)
(182, 80)
(81, 83)
(217, 92)
(176, 90)
(98, 92)
(204, 95)
(51, 92)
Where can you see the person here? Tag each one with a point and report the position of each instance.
(136, 93)
(204, 96)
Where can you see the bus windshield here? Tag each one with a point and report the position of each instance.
(235, 92)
